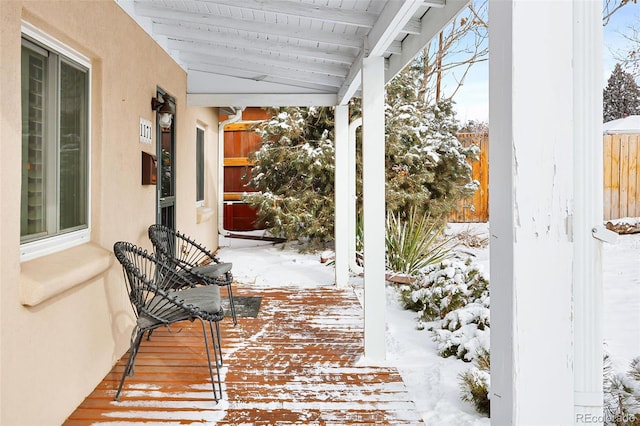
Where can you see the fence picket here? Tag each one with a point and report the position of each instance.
(615, 178)
(621, 155)
(624, 175)
(632, 191)
(608, 190)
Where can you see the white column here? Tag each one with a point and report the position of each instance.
(531, 185)
(353, 198)
(373, 180)
(341, 230)
(588, 187)
(501, 215)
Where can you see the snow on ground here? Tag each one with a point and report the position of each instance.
(621, 266)
(273, 265)
(433, 380)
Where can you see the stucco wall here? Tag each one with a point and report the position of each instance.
(53, 354)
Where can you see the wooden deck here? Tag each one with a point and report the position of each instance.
(296, 363)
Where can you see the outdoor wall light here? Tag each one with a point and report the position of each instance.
(165, 112)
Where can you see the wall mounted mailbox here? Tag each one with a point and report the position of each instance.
(149, 169)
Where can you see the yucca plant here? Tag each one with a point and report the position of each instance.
(415, 242)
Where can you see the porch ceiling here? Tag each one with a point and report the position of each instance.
(287, 52)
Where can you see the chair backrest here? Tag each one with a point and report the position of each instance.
(163, 239)
(170, 244)
(149, 283)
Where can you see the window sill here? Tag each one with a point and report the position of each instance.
(203, 214)
(48, 276)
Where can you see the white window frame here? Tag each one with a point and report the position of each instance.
(201, 203)
(56, 243)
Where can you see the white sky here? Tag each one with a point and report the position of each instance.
(472, 101)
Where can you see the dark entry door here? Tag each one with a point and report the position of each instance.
(166, 199)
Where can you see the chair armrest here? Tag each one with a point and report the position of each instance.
(212, 270)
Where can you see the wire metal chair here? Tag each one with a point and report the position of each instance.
(151, 285)
(192, 258)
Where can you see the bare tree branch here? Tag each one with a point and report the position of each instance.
(629, 56)
(459, 46)
(612, 6)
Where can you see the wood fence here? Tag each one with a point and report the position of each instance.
(475, 208)
(621, 178)
(239, 142)
(621, 157)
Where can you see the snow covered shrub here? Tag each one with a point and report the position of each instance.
(475, 383)
(464, 332)
(443, 288)
(294, 174)
(634, 370)
(415, 242)
(455, 294)
(622, 395)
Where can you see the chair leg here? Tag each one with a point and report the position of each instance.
(217, 353)
(232, 305)
(206, 345)
(217, 343)
(133, 351)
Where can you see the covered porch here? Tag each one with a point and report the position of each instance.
(545, 185)
(545, 111)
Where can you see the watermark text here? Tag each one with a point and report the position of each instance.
(606, 418)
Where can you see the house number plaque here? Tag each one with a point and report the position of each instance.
(145, 131)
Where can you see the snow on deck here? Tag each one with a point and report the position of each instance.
(296, 363)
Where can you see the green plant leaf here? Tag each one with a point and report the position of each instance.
(415, 242)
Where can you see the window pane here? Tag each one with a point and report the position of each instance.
(55, 113)
(33, 78)
(73, 147)
(199, 164)
(166, 167)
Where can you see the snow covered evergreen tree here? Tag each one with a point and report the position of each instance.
(621, 97)
(426, 166)
(294, 174)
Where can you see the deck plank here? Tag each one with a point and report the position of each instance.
(296, 363)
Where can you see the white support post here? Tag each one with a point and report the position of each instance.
(353, 198)
(501, 216)
(341, 230)
(531, 186)
(373, 182)
(588, 212)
